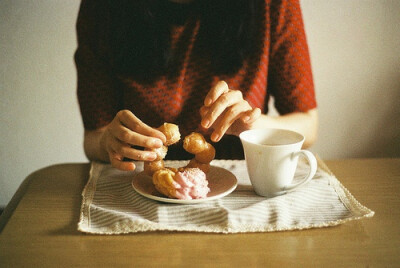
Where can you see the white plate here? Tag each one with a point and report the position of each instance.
(220, 181)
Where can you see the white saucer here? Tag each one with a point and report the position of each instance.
(221, 182)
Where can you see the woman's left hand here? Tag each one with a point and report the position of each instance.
(225, 111)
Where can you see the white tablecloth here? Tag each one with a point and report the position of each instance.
(111, 206)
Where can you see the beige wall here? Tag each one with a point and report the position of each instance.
(355, 50)
(39, 116)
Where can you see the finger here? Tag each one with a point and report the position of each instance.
(220, 88)
(131, 122)
(203, 111)
(251, 116)
(232, 114)
(118, 163)
(127, 136)
(224, 101)
(124, 150)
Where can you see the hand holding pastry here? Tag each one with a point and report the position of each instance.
(126, 131)
(225, 111)
(172, 135)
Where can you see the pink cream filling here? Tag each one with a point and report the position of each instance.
(192, 184)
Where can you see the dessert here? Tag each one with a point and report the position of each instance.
(153, 166)
(189, 182)
(186, 183)
(205, 167)
(207, 155)
(171, 132)
(194, 143)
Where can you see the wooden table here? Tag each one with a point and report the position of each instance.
(38, 229)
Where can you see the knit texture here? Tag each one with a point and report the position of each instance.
(281, 68)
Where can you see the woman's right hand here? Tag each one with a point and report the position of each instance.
(125, 132)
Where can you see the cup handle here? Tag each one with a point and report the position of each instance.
(313, 169)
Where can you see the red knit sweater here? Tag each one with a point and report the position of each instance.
(282, 70)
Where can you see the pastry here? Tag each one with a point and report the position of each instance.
(189, 182)
(186, 184)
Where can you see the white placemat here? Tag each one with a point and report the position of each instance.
(111, 206)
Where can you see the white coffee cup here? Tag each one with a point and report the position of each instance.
(271, 157)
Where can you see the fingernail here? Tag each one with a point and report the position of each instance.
(246, 118)
(206, 123)
(130, 166)
(151, 156)
(215, 137)
(156, 143)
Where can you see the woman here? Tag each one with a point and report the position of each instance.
(208, 65)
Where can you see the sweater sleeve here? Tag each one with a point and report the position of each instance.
(98, 94)
(290, 79)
